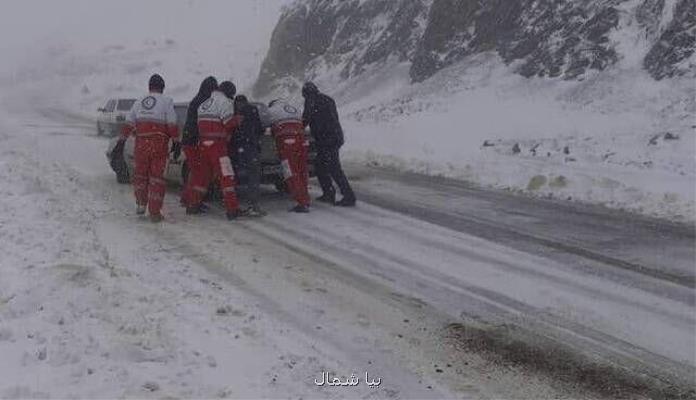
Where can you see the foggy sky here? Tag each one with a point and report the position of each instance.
(30, 26)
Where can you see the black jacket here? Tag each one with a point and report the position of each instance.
(322, 117)
(248, 135)
(190, 134)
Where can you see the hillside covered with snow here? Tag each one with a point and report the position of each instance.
(582, 100)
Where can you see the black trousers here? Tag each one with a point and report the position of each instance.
(328, 169)
(249, 163)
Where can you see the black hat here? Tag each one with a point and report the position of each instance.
(228, 89)
(309, 89)
(156, 82)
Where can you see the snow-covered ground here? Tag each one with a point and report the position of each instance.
(618, 138)
(96, 303)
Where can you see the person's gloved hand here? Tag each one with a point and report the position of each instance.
(176, 150)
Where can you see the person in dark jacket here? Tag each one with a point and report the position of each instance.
(189, 142)
(321, 116)
(246, 146)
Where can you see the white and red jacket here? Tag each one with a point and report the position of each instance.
(216, 119)
(285, 119)
(152, 116)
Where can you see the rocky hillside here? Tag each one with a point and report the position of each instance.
(565, 39)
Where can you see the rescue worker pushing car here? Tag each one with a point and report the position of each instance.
(288, 131)
(216, 123)
(189, 142)
(321, 116)
(153, 121)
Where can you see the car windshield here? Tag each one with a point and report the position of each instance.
(125, 104)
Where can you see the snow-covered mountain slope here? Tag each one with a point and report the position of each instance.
(315, 39)
(584, 100)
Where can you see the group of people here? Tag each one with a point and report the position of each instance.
(222, 129)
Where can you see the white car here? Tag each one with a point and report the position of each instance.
(112, 116)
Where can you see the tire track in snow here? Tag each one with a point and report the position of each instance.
(622, 360)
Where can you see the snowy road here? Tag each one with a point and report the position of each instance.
(440, 289)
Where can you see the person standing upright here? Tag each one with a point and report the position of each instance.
(189, 142)
(153, 121)
(321, 116)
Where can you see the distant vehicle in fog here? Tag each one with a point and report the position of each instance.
(121, 160)
(112, 116)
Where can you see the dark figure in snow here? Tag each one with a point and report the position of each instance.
(189, 143)
(246, 147)
(321, 116)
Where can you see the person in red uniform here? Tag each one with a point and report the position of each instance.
(288, 131)
(216, 123)
(153, 122)
(189, 142)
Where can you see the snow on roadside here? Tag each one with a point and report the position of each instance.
(91, 307)
(619, 138)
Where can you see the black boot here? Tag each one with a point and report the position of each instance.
(346, 202)
(195, 210)
(299, 209)
(327, 198)
(233, 215)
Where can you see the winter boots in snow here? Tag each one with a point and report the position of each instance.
(299, 209)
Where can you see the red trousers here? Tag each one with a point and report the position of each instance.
(293, 151)
(148, 180)
(215, 165)
(193, 163)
